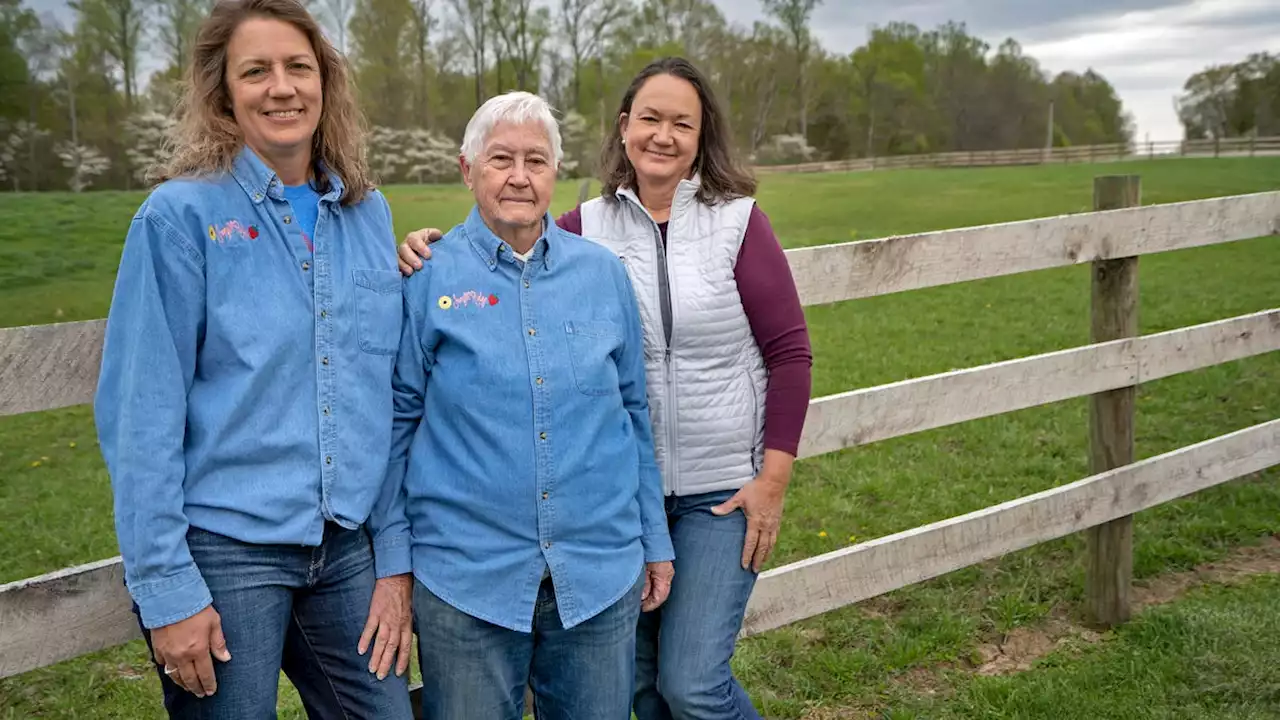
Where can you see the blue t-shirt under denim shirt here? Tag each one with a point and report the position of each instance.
(305, 202)
(246, 383)
(522, 427)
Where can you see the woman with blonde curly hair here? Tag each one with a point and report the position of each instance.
(244, 406)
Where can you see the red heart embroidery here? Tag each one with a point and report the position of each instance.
(493, 299)
(253, 232)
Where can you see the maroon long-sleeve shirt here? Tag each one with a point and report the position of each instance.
(773, 310)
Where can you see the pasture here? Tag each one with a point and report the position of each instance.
(931, 650)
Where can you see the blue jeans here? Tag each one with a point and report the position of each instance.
(683, 648)
(474, 670)
(292, 608)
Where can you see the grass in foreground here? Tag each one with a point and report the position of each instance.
(62, 252)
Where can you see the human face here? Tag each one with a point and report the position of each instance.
(661, 132)
(513, 177)
(273, 78)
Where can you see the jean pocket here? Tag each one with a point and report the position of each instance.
(378, 310)
(591, 347)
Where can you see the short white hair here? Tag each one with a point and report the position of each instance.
(516, 107)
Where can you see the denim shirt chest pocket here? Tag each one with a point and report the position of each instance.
(378, 309)
(591, 347)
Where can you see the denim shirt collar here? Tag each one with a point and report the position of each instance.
(260, 182)
(489, 246)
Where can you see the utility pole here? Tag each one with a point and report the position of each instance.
(1048, 140)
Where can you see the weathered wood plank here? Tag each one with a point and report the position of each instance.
(64, 614)
(1113, 316)
(846, 271)
(43, 367)
(867, 415)
(819, 584)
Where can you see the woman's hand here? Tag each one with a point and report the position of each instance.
(184, 650)
(657, 584)
(761, 501)
(415, 245)
(390, 625)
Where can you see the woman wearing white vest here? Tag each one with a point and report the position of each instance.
(727, 367)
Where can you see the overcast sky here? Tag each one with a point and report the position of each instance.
(1146, 48)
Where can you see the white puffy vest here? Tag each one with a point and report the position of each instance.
(707, 382)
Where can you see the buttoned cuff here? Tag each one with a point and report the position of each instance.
(657, 546)
(171, 599)
(391, 556)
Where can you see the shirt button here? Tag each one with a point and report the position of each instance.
(546, 495)
(324, 313)
(538, 380)
(542, 436)
(328, 460)
(526, 283)
(324, 361)
(287, 219)
(306, 266)
(546, 544)
(532, 331)
(326, 409)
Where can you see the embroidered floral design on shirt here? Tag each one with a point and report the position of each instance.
(233, 228)
(468, 298)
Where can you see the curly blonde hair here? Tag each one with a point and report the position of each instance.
(207, 137)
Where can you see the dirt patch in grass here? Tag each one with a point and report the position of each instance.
(1018, 649)
(1241, 563)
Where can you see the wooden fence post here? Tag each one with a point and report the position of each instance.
(1114, 315)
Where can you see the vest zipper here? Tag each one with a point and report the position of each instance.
(664, 302)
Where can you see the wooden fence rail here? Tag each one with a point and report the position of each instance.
(1224, 147)
(61, 615)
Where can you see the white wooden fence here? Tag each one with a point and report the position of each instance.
(1113, 152)
(65, 614)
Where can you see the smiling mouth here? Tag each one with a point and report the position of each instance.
(661, 155)
(283, 114)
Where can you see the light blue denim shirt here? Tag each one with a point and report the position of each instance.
(522, 428)
(246, 381)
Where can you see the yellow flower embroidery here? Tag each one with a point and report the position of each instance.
(213, 234)
(445, 302)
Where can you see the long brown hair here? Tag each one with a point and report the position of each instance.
(207, 138)
(723, 176)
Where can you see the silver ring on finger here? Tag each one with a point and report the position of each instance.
(169, 669)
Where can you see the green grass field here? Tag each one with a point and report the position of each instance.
(908, 654)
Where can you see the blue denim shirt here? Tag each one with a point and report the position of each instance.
(522, 428)
(246, 382)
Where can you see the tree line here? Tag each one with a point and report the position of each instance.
(1233, 100)
(76, 111)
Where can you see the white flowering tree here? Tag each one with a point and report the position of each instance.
(577, 142)
(84, 162)
(148, 142)
(386, 152)
(415, 155)
(432, 157)
(785, 149)
(16, 141)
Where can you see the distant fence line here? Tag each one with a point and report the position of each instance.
(77, 610)
(1225, 147)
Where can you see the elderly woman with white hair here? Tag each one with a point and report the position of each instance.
(522, 440)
